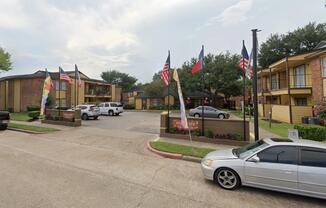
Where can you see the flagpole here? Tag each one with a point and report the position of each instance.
(202, 99)
(169, 81)
(244, 97)
(76, 85)
(59, 92)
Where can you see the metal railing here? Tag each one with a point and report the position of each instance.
(296, 81)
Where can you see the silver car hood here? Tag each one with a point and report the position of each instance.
(221, 155)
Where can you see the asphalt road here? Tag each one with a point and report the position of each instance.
(105, 164)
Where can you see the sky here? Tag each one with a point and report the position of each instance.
(134, 36)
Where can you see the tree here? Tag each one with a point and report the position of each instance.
(155, 88)
(5, 63)
(125, 81)
(296, 42)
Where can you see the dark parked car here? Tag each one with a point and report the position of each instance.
(4, 120)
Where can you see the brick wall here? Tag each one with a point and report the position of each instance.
(317, 81)
(31, 92)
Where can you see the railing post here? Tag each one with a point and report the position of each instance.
(289, 90)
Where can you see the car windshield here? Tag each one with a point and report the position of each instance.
(249, 149)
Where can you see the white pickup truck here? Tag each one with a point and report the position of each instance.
(110, 108)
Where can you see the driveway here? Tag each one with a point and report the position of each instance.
(105, 164)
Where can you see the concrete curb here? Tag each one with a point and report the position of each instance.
(174, 156)
(25, 131)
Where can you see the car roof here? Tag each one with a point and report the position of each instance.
(295, 142)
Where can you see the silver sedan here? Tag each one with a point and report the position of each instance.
(285, 165)
(208, 112)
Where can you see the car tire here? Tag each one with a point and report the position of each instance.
(111, 113)
(227, 178)
(96, 117)
(221, 116)
(84, 116)
(3, 127)
(196, 115)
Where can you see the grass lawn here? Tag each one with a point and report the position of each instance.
(31, 128)
(181, 149)
(280, 129)
(23, 116)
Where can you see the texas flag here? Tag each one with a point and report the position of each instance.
(199, 63)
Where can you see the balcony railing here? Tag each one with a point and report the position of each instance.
(98, 92)
(296, 81)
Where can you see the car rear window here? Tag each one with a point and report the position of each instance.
(114, 105)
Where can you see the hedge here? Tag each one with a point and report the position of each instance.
(34, 114)
(312, 132)
(33, 108)
(129, 106)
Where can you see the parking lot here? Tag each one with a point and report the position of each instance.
(105, 163)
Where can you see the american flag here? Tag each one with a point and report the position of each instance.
(249, 67)
(244, 61)
(165, 74)
(77, 76)
(64, 76)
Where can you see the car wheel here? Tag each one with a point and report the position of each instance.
(96, 117)
(85, 116)
(227, 178)
(221, 116)
(110, 113)
(3, 127)
(196, 115)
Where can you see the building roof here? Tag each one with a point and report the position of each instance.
(53, 75)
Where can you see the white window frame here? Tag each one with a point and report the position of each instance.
(300, 78)
(323, 66)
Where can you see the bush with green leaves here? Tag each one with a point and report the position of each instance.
(34, 114)
(311, 132)
(208, 133)
(129, 106)
(33, 108)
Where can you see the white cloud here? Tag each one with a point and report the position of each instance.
(231, 15)
(12, 15)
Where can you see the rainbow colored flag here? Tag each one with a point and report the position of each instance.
(46, 90)
(183, 116)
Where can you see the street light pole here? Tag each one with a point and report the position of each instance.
(254, 69)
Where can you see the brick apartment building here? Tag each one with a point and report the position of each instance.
(18, 92)
(291, 86)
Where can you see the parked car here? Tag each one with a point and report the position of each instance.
(209, 112)
(4, 120)
(89, 111)
(111, 108)
(286, 165)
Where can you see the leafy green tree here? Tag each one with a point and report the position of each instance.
(125, 81)
(155, 88)
(296, 42)
(5, 63)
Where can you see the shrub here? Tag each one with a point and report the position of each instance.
(129, 106)
(237, 137)
(33, 108)
(311, 132)
(322, 114)
(173, 130)
(208, 133)
(10, 110)
(34, 114)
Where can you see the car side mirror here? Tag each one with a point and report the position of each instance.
(254, 159)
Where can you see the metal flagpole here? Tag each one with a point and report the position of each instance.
(202, 99)
(59, 92)
(169, 81)
(254, 69)
(75, 85)
(244, 96)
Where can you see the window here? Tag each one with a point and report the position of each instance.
(101, 105)
(274, 81)
(300, 101)
(313, 157)
(107, 105)
(114, 105)
(299, 76)
(279, 154)
(63, 85)
(324, 66)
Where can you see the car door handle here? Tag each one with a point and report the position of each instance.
(288, 171)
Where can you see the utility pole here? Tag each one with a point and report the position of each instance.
(255, 100)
